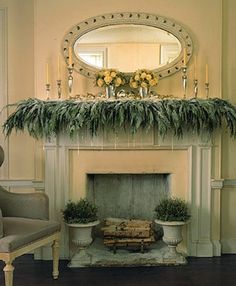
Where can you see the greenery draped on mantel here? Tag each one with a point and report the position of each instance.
(45, 119)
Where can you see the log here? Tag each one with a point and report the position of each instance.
(127, 222)
(137, 232)
(128, 241)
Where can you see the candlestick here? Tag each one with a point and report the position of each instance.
(70, 57)
(59, 88)
(47, 90)
(58, 68)
(195, 87)
(207, 89)
(70, 79)
(184, 79)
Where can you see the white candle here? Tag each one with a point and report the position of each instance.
(195, 67)
(207, 74)
(185, 56)
(70, 56)
(58, 68)
(47, 74)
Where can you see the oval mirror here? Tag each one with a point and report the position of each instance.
(127, 42)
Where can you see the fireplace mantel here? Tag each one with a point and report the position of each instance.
(189, 161)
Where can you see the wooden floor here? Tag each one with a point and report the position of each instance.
(199, 271)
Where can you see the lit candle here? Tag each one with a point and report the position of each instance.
(70, 56)
(47, 74)
(58, 68)
(185, 56)
(195, 67)
(207, 74)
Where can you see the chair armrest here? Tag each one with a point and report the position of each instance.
(32, 205)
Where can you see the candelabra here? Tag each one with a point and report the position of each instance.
(47, 90)
(207, 89)
(70, 79)
(195, 87)
(184, 79)
(59, 88)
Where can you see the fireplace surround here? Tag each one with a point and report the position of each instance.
(188, 161)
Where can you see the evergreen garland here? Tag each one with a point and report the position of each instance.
(45, 119)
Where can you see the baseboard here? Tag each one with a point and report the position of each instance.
(204, 249)
(217, 248)
(228, 245)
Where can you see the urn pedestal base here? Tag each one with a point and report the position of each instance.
(172, 237)
(81, 237)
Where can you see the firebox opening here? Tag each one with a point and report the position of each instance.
(130, 196)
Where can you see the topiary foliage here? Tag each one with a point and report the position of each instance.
(45, 119)
(172, 209)
(80, 212)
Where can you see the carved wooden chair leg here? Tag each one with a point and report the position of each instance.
(8, 272)
(55, 256)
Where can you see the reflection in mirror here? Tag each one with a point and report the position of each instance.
(127, 47)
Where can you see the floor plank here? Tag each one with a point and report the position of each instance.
(215, 271)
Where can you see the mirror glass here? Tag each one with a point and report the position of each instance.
(127, 47)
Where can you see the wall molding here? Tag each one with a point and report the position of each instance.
(22, 184)
(217, 183)
(228, 245)
(230, 183)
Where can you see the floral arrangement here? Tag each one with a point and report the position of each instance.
(143, 78)
(107, 77)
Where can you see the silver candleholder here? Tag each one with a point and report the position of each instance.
(195, 87)
(70, 79)
(48, 90)
(59, 88)
(184, 79)
(207, 89)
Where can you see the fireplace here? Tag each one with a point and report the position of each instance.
(73, 165)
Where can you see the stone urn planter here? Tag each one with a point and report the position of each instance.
(81, 233)
(172, 237)
(80, 217)
(172, 214)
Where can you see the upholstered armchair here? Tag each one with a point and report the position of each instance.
(24, 226)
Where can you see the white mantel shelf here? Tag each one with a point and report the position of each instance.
(202, 189)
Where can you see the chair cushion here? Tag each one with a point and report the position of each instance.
(1, 224)
(19, 232)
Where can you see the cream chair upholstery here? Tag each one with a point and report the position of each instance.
(24, 226)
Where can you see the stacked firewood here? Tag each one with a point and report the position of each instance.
(127, 232)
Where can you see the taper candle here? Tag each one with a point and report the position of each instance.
(58, 68)
(195, 67)
(47, 74)
(207, 74)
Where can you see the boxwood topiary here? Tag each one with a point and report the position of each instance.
(172, 209)
(82, 211)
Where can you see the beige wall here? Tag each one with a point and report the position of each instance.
(36, 28)
(20, 53)
(228, 220)
(203, 18)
